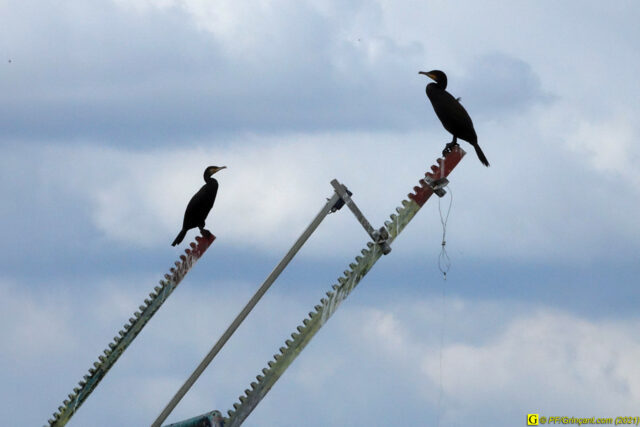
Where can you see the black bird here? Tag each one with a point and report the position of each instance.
(200, 205)
(452, 114)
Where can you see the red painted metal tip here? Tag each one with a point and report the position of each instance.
(421, 195)
(442, 169)
(207, 237)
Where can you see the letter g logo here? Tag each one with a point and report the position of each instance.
(532, 419)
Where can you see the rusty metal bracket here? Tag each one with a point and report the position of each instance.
(340, 203)
(379, 236)
(437, 185)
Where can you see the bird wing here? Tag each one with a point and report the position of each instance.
(453, 116)
(199, 206)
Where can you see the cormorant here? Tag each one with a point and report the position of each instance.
(452, 114)
(200, 205)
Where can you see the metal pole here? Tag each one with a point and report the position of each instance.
(246, 310)
(379, 237)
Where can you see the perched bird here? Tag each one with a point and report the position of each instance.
(452, 114)
(200, 205)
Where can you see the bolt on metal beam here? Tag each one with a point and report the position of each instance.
(437, 185)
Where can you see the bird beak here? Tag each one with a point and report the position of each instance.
(427, 74)
(220, 168)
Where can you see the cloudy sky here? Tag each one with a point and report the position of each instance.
(110, 110)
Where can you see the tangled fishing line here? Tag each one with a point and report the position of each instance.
(444, 262)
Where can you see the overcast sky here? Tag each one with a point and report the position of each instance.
(110, 110)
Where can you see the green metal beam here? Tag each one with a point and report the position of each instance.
(130, 330)
(210, 419)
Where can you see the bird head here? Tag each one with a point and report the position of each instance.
(212, 169)
(436, 75)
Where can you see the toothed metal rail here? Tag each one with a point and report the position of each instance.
(130, 331)
(305, 332)
(332, 205)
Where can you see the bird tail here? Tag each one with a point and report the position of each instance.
(480, 154)
(179, 237)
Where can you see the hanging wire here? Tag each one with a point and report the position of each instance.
(444, 262)
(440, 380)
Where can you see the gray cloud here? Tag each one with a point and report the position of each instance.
(385, 355)
(110, 110)
(154, 74)
(136, 199)
(498, 87)
(141, 74)
(151, 76)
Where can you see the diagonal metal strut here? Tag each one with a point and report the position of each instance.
(378, 236)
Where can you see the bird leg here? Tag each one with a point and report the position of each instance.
(450, 146)
(205, 232)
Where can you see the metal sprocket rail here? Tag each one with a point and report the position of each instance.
(357, 270)
(130, 330)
